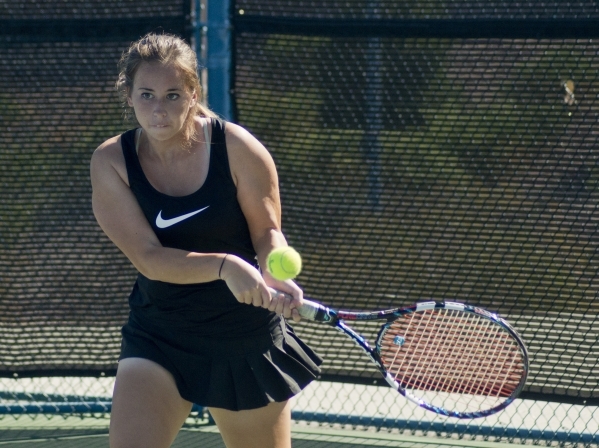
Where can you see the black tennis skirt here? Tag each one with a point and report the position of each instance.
(234, 374)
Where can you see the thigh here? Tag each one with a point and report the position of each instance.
(267, 427)
(147, 410)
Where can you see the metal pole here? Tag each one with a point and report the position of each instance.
(371, 144)
(218, 57)
(198, 42)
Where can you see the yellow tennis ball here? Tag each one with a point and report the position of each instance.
(284, 263)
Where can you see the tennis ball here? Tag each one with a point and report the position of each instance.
(284, 263)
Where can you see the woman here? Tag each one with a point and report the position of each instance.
(193, 202)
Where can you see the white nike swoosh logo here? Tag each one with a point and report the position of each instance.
(164, 223)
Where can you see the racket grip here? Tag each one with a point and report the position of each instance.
(312, 311)
(309, 310)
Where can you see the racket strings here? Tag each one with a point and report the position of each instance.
(444, 378)
(452, 351)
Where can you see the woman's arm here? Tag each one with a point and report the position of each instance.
(255, 176)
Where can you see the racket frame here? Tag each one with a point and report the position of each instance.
(316, 312)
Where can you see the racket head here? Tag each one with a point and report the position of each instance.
(453, 359)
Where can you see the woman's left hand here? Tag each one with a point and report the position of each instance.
(290, 299)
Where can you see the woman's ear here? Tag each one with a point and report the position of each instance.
(129, 101)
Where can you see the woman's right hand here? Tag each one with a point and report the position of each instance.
(245, 282)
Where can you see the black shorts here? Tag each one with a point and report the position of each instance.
(234, 374)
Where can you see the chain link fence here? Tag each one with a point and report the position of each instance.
(426, 150)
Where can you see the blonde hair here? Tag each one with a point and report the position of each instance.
(165, 49)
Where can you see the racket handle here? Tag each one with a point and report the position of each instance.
(309, 310)
(313, 311)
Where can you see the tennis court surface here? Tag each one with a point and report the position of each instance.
(73, 432)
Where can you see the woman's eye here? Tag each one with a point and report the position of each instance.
(146, 95)
(173, 96)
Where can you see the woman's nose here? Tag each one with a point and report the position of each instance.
(159, 111)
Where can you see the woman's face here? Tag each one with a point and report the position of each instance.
(160, 99)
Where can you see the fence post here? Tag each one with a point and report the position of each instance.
(218, 57)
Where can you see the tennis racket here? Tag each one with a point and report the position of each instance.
(453, 359)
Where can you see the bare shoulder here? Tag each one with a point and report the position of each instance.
(108, 150)
(109, 157)
(246, 153)
(255, 175)
(241, 140)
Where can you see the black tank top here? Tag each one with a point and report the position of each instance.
(209, 220)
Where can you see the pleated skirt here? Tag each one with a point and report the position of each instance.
(234, 374)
